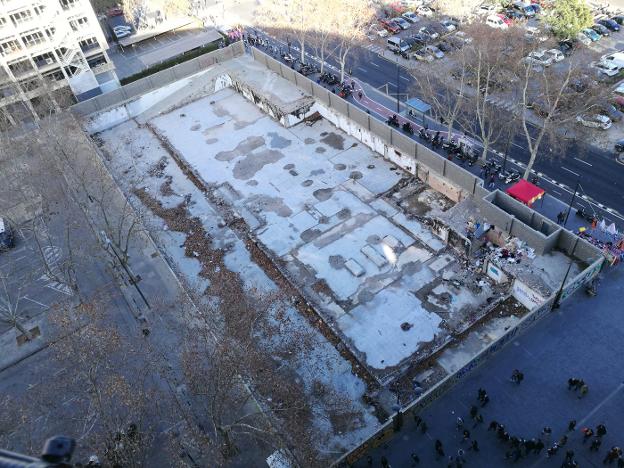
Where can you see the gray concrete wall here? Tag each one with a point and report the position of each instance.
(155, 81)
(430, 159)
(404, 144)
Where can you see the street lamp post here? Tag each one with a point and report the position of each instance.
(576, 187)
(398, 77)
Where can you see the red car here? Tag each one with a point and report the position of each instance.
(506, 20)
(390, 26)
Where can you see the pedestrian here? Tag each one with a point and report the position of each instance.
(595, 445)
(417, 420)
(474, 446)
(579, 384)
(352, 85)
(466, 435)
(552, 450)
(546, 431)
(572, 382)
(601, 430)
(539, 446)
(569, 456)
(563, 441)
(481, 393)
(492, 183)
(478, 420)
(423, 427)
(473, 411)
(459, 423)
(493, 426)
(439, 449)
(587, 434)
(620, 461)
(584, 390)
(571, 425)
(610, 456)
(485, 400)
(360, 95)
(451, 461)
(415, 458)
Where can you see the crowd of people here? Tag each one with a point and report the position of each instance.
(516, 447)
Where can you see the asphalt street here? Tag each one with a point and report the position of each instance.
(598, 174)
(582, 339)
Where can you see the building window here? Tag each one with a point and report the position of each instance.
(44, 59)
(39, 9)
(89, 44)
(9, 47)
(67, 4)
(55, 75)
(96, 61)
(50, 32)
(33, 39)
(3, 22)
(20, 67)
(78, 23)
(21, 17)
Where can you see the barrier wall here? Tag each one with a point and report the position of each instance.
(157, 80)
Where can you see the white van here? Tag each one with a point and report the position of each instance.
(617, 58)
(495, 21)
(395, 44)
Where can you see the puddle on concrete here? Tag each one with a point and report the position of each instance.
(294, 173)
(306, 183)
(355, 175)
(340, 167)
(288, 167)
(322, 194)
(252, 183)
(247, 167)
(278, 141)
(210, 141)
(334, 140)
(310, 234)
(320, 149)
(309, 141)
(317, 172)
(336, 261)
(195, 127)
(246, 146)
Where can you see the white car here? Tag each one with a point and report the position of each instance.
(486, 9)
(411, 17)
(448, 25)
(424, 30)
(424, 11)
(403, 24)
(496, 22)
(121, 27)
(533, 33)
(463, 36)
(539, 57)
(376, 31)
(594, 121)
(433, 50)
(609, 69)
(583, 39)
(555, 54)
(122, 33)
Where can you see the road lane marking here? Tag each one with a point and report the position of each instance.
(404, 78)
(362, 69)
(374, 64)
(584, 162)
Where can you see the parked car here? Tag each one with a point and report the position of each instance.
(463, 36)
(411, 17)
(525, 8)
(444, 46)
(619, 19)
(422, 38)
(600, 29)
(609, 110)
(423, 56)
(390, 26)
(496, 22)
(429, 32)
(455, 42)
(487, 10)
(567, 46)
(375, 31)
(619, 146)
(115, 11)
(591, 34)
(433, 50)
(448, 25)
(619, 88)
(609, 24)
(534, 34)
(539, 57)
(403, 23)
(6, 236)
(606, 68)
(594, 121)
(618, 101)
(514, 15)
(424, 11)
(583, 38)
(555, 54)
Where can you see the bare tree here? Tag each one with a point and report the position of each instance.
(351, 19)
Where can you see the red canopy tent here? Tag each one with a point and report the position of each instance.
(526, 192)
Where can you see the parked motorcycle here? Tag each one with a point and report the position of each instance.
(393, 121)
(581, 212)
(407, 128)
(509, 177)
(424, 134)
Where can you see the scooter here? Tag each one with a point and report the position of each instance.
(581, 212)
(424, 134)
(407, 128)
(509, 176)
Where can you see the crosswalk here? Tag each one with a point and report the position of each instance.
(375, 48)
(501, 103)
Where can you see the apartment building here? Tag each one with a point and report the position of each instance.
(51, 52)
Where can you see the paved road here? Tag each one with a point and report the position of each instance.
(582, 339)
(601, 176)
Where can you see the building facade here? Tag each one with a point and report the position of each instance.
(51, 51)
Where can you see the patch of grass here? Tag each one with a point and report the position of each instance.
(191, 54)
